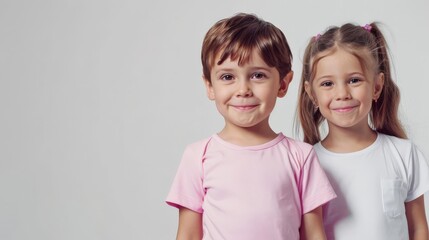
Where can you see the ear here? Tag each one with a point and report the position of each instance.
(307, 88)
(209, 88)
(284, 84)
(378, 86)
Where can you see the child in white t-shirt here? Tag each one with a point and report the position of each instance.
(248, 182)
(380, 177)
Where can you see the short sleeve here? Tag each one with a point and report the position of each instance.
(418, 174)
(316, 189)
(187, 187)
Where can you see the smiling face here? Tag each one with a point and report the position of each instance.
(245, 94)
(343, 91)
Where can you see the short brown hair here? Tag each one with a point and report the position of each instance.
(238, 36)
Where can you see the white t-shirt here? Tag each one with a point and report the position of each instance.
(244, 193)
(372, 186)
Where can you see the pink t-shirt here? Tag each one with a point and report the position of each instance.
(244, 193)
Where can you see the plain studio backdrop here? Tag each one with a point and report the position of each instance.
(99, 98)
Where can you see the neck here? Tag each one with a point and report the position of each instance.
(344, 140)
(247, 136)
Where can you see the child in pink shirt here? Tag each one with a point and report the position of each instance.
(247, 181)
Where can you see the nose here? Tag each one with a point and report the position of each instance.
(244, 89)
(342, 93)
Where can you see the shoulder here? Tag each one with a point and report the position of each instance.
(398, 144)
(193, 157)
(297, 145)
(198, 144)
(298, 149)
(197, 148)
(405, 149)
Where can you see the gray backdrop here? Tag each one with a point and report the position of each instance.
(99, 98)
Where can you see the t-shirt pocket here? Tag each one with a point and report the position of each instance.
(393, 195)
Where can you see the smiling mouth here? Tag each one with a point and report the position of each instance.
(344, 109)
(245, 107)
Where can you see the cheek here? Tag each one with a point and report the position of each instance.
(321, 98)
(365, 95)
(219, 92)
(314, 93)
(267, 92)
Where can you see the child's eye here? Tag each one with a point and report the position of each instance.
(326, 84)
(354, 80)
(258, 75)
(226, 77)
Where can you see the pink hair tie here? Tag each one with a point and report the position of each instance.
(367, 27)
(317, 37)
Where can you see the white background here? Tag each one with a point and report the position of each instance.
(99, 98)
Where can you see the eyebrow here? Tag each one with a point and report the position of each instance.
(360, 73)
(255, 68)
(223, 70)
(263, 68)
(322, 77)
(348, 74)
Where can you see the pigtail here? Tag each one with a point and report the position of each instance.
(384, 113)
(307, 114)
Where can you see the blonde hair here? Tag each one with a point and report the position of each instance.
(369, 46)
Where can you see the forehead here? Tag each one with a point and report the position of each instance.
(357, 57)
(337, 62)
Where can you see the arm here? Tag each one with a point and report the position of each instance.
(312, 225)
(416, 217)
(190, 225)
